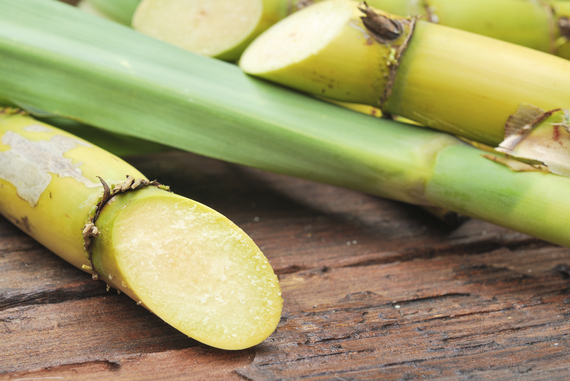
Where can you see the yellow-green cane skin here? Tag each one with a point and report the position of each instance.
(53, 208)
(470, 85)
(529, 202)
(525, 23)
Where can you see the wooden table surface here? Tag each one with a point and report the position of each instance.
(373, 289)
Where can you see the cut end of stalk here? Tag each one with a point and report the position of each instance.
(197, 271)
(335, 49)
(209, 28)
(296, 38)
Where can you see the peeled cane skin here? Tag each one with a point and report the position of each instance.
(180, 259)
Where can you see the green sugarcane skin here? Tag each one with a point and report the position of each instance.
(525, 23)
(497, 193)
(561, 10)
(533, 24)
(119, 10)
(121, 81)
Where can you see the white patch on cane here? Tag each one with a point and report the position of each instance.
(27, 164)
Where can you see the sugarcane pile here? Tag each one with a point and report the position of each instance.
(488, 132)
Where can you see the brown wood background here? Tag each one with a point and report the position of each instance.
(373, 289)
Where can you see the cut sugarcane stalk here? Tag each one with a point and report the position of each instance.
(86, 68)
(183, 261)
(223, 28)
(443, 78)
(219, 28)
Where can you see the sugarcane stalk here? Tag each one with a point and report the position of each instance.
(126, 82)
(447, 79)
(223, 28)
(183, 261)
(220, 29)
(540, 25)
(120, 11)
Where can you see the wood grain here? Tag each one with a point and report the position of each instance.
(373, 289)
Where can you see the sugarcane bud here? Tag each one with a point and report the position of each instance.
(383, 28)
(564, 26)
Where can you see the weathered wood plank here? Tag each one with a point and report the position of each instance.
(466, 315)
(33, 275)
(72, 332)
(200, 364)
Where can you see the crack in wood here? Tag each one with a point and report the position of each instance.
(410, 254)
(324, 355)
(452, 357)
(563, 270)
(370, 307)
(312, 340)
(472, 248)
(499, 331)
(432, 298)
(51, 296)
(10, 250)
